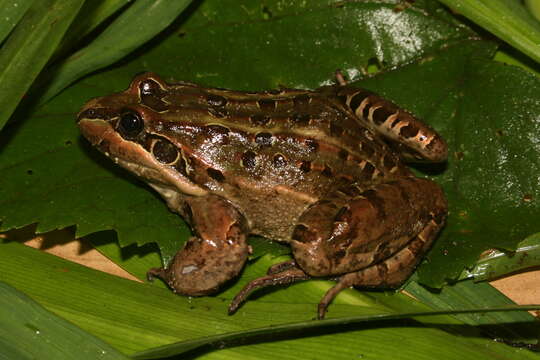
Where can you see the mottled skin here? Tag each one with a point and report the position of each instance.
(322, 170)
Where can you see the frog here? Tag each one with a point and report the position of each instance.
(324, 171)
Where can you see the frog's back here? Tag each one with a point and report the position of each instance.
(272, 154)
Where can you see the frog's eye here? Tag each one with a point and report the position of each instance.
(130, 124)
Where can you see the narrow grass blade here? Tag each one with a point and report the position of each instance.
(29, 47)
(92, 14)
(135, 26)
(507, 19)
(518, 326)
(12, 12)
(181, 347)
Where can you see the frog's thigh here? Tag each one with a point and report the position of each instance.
(339, 237)
(215, 255)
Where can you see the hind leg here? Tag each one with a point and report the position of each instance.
(390, 273)
(373, 238)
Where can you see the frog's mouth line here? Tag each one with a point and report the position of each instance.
(134, 157)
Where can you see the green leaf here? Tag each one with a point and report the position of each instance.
(534, 8)
(490, 181)
(181, 347)
(133, 317)
(507, 19)
(123, 36)
(92, 14)
(515, 327)
(29, 47)
(495, 264)
(12, 12)
(28, 331)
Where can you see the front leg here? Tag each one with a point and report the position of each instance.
(215, 255)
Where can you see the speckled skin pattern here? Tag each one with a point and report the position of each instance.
(322, 170)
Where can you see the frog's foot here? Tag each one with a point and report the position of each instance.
(216, 255)
(285, 277)
(155, 273)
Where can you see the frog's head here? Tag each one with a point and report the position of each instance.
(126, 128)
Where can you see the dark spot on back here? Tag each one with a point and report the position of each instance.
(381, 114)
(343, 154)
(335, 129)
(350, 190)
(368, 149)
(217, 112)
(327, 171)
(260, 119)
(300, 119)
(301, 101)
(216, 100)
(218, 129)
(342, 98)
(402, 191)
(215, 174)
(263, 139)
(305, 166)
(267, 105)
(343, 215)
(312, 145)
(248, 159)
(388, 161)
(368, 171)
(376, 201)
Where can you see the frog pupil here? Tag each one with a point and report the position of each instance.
(131, 124)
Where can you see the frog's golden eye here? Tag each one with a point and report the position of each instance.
(130, 124)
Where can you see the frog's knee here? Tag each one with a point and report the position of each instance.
(309, 250)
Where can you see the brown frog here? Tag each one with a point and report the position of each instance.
(322, 170)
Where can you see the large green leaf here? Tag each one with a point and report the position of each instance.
(133, 316)
(295, 31)
(449, 80)
(28, 331)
